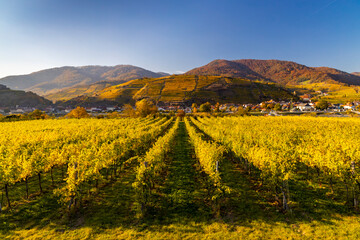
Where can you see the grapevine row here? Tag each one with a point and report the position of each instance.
(210, 155)
(280, 146)
(152, 165)
(31, 148)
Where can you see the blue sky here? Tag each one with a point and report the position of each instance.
(175, 36)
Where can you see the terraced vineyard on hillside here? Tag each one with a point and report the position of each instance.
(187, 89)
(174, 178)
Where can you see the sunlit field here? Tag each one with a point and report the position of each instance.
(176, 178)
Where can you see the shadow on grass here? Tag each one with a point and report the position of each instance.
(39, 210)
(252, 199)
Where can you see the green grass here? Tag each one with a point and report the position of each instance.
(183, 190)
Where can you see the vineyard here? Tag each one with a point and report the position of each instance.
(173, 178)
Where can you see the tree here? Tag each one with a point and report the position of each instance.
(291, 106)
(145, 107)
(171, 113)
(314, 99)
(205, 107)
(217, 107)
(270, 106)
(180, 113)
(263, 105)
(78, 112)
(242, 112)
(113, 115)
(37, 114)
(277, 107)
(129, 110)
(194, 107)
(322, 105)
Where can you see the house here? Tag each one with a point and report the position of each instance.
(273, 113)
(187, 110)
(335, 107)
(110, 109)
(223, 108)
(284, 107)
(306, 97)
(17, 111)
(95, 110)
(256, 108)
(349, 107)
(304, 107)
(313, 105)
(271, 101)
(321, 93)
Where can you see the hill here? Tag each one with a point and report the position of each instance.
(187, 89)
(281, 72)
(50, 81)
(356, 73)
(11, 98)
(80, 90)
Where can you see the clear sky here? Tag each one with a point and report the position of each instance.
(176, 36)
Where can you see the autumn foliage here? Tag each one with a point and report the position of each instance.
(78, 112)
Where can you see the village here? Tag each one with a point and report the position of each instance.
(271, 107)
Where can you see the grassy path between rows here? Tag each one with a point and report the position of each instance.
(183, 188)
(244, 203)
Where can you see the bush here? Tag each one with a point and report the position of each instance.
(180, 113)
(322, 105)
(78, 112)
(242, 112)
(205, 107)
(37, 114)
(113, 115)
(145, 107)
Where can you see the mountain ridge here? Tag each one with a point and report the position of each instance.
(13, 98)
(50, 81)
(278, 71)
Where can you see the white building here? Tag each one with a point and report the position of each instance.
(349, 107)
(305, 107)
(17, 111)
